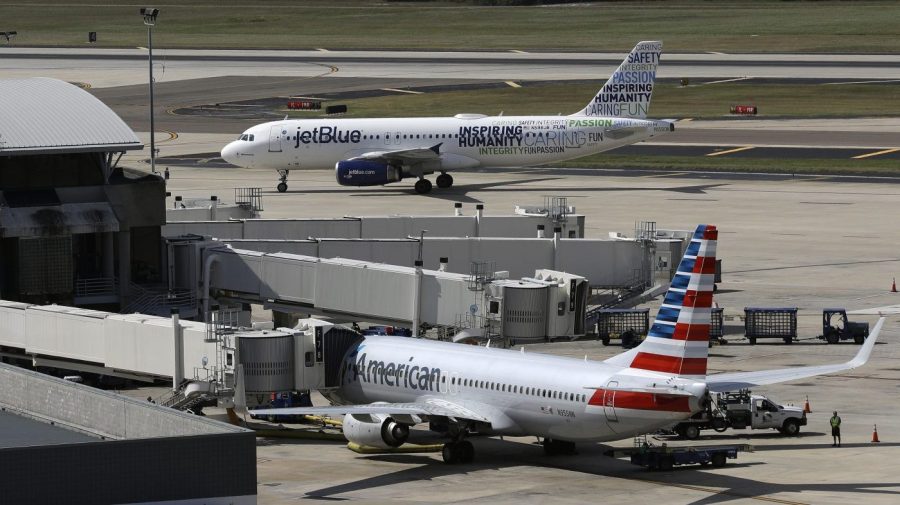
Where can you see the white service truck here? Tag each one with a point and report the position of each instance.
(741, 410)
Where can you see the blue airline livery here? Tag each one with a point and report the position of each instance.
(374, 152)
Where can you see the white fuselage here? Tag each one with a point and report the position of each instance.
(525, 393)
(464, 141)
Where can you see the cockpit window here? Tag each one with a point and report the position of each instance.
(251, 137)
(242, 137)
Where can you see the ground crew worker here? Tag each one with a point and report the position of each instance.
(836, 429)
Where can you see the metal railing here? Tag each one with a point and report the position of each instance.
(96, 286)
(249, 198)
(151, 301)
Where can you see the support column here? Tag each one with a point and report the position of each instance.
(124, 264)
(178, 341)
(109, 255)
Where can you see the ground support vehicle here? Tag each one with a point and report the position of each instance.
(664, 458)
(742, 410)
(285, 400)
(631, 325)
(836, 327)
(777, 322)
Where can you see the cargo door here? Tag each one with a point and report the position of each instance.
(275, 139)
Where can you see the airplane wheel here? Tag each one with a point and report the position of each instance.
(282, 187)
(444, 181)
(451, 453)
(423, 186)
(467, 451)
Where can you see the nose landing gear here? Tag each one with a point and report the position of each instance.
(282, 176)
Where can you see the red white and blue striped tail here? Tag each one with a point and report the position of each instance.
(678, 341)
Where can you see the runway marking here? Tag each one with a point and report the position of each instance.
(860, 82)
(876, 153)
(517, 51)
(716, 52)
(512, 84)
(322, 50)
(142, 48)
(172, 136)
(727, 80)
(668, 174)
(411, 92)
(685, 120)
(729, 151)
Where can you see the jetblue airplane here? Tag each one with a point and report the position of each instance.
(374, 152)
(392, 383)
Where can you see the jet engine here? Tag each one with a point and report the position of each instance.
(375, 430)
(366, 173)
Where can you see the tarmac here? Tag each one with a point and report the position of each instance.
(806, 242)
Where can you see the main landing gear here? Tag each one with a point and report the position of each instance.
(423, 185)
(558, 447)
(282, 176)
(458, 452)
(444, 180)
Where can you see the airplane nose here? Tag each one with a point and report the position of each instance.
(229, 154)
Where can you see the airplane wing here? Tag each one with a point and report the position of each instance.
(740, 380)
(405, 156)
(426, 407)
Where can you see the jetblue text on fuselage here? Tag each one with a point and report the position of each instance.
(490, 136)
(326, 135)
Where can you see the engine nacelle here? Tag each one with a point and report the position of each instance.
(365, 173)
(375, 430)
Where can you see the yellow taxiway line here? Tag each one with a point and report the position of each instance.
(876, 153)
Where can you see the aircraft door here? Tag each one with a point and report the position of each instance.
(275, 133)
(444, 382)
(609, 401)
(454, 383)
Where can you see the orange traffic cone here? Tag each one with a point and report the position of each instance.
(894, 286)
(875, 435)
(806, 408)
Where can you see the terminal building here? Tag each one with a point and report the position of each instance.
(75, 227)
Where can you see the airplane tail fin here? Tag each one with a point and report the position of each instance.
(678, 341)
(627, 92)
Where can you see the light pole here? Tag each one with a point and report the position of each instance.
(150, 14)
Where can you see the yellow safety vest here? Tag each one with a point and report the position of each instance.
(835, 421)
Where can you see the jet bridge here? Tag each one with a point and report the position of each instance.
(351, 290)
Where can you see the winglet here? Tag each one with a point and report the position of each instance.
(866, 350)
(741, 380)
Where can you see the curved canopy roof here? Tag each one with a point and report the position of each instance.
(42, 115)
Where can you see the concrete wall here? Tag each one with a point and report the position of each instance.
(96, 411)
(218, 469)
(157, 455)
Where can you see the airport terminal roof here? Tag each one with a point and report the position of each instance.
(43, 115)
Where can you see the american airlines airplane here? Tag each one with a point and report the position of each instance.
(392, 383)
(374, 152)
